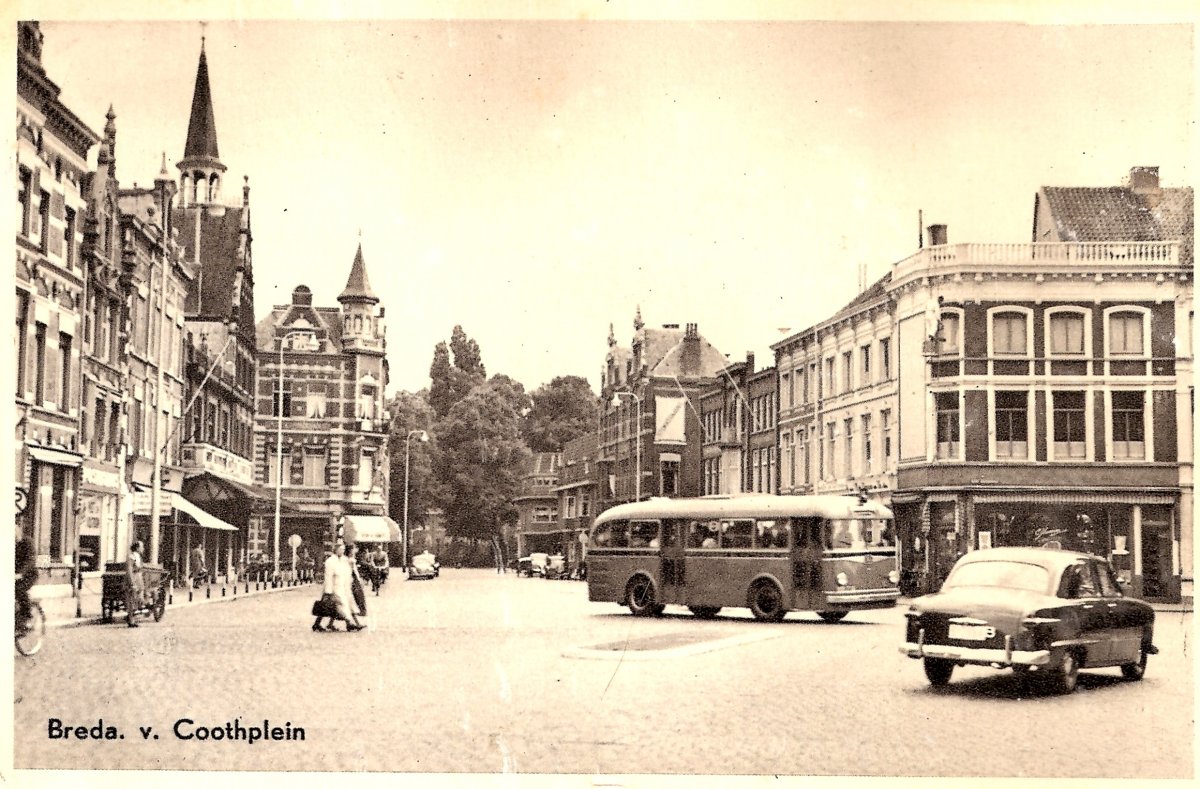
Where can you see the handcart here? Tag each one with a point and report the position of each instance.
(154, 584)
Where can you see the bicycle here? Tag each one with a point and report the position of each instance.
(32, 633)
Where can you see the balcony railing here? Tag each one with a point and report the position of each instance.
(217, 460)
(1158, 254)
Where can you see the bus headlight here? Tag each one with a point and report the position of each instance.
(842, 580)
(894, 577)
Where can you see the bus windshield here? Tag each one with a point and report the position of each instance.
(860, 533)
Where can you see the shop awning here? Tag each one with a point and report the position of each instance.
(370, 528)
(59, 457)
(200, 516)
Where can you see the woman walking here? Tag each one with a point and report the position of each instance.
(337, 583)
(356, 584)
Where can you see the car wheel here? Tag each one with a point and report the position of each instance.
(704, 611)
(1135, 671)
(639, 596)
(832, 616)
(1067, 677)
(766, 602)
(938, 671)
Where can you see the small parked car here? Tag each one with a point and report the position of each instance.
(1043, 612)
(533, 564)
(423, 565)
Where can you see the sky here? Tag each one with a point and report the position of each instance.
(538, 180)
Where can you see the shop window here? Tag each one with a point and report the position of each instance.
(1128, 426)
(1012, 425)
(1070, 426)
(946, 414)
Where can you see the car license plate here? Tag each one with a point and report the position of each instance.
(970, 632)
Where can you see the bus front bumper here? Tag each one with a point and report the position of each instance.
(865, 596)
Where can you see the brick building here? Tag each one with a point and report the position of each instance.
(738, 413)
(1044, 392)
(51, 153)
(650, 418)
(321, 419)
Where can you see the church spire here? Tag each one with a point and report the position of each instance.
(201, 167)
(358, 287)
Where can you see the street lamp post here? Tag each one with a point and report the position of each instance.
(424, 437)
(309, 345)
(637, 483)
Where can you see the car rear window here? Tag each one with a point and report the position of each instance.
(1006, 574)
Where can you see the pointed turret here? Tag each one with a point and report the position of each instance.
(358, 287)
(201, 167)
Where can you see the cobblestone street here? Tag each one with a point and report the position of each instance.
(475, 672)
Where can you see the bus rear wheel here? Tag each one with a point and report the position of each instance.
(766, 602)
(705, 611)
(832, 616)
(639, 596)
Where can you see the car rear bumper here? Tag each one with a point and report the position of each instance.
(977, 655)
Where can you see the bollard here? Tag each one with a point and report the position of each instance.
(189, 594)
(208, 591)
(247, 587)
(222, 590)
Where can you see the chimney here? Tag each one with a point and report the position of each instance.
(1144, 182)
(1143, 179)
(749, 362)
(689, 358)
(937, 235)
(692, 331)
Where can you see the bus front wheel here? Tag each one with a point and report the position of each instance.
(639, 596)
(766, 602)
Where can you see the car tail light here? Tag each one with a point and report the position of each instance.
(842, 579)
(894, 577)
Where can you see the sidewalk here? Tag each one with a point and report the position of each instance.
(60, 611)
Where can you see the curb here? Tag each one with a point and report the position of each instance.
(99, 620)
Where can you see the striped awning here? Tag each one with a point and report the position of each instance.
(1076, 497)
(201, 517)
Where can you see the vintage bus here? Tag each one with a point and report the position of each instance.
(771, 554)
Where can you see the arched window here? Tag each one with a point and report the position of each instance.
(1068, 340)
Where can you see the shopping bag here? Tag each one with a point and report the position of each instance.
(326, 606)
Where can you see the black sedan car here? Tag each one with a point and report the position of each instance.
(1045, 613)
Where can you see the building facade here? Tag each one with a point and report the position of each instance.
(219, 353)
(837, 401)
(739, 443)
(651, 439)
(52, 147)
(1039, 391)
(537, 529)
(321, 430)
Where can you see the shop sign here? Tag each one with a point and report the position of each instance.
(101, 478)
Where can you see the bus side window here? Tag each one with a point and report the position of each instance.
(808, 532)
(643, 534)
(737, 534)
(670, 533)
(772, 534)
(620, 535)
(702, 534)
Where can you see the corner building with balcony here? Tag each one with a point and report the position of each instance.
(1045, 389)
(321, 430)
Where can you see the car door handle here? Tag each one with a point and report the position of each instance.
(1089, 605)
(1112, 605)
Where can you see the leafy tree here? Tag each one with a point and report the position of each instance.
(481, 457)
(466, 353)
(425, 491)
(563, 409)
(447, 382)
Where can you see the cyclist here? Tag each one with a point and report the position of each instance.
(26, 568)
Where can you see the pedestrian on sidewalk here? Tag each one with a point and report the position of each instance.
(135, 587)
(198, 569)
(356, 584)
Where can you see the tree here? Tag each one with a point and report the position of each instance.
(482, 454)
(466, 354)
(563, 409)
(425, 491)
(447, 382)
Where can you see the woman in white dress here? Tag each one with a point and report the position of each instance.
(337, 583)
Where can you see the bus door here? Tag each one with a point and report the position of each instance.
(807, 549)
(674, 573)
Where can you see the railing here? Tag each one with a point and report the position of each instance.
(213, 458)
(1082, 254)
